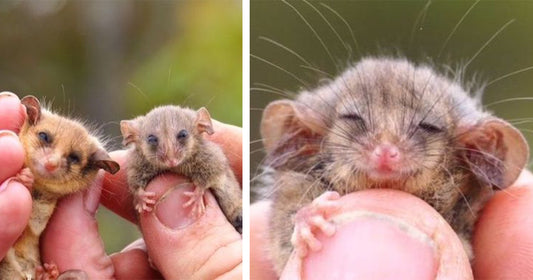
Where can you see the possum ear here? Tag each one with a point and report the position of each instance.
(101, 159)
(495, 151)
(288, 126)
(33, 108)
(203, 121)
(130, 131)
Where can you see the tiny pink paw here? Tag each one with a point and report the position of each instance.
(196, 200)
(25, 177)
(144, 201)
(47, 272)
(312, 219)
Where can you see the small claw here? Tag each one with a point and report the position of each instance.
(310, 239)
(326, 227)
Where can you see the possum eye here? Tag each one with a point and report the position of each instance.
(44, 137)
(73, 158)
(351, 117)
(152, 140)
(182, 134)
(429, 128)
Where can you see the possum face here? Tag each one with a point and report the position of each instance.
(388, 121)
(167, 135)
(60, 152)
(388, 127)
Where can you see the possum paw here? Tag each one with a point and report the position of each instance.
(312, 219)
(196, 200)
(25, 177)
(144, 201)
(47, 271)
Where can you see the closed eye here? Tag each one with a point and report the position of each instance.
(351, 116)
(427, 127)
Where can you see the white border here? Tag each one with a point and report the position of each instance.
(246, 137)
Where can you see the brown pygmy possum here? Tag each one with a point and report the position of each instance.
(383, 123)
(62, 157)
(170, 139)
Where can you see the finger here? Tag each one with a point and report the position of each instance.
(503, 243)
(71, 239)
(132, 263)
(12, 113)
(115, 191)
(184, 247)
(377, 239)
(261, 267)
(15, 209)
(229, 137)
(11, 155)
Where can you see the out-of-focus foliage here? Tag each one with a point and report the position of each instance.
(413, 29)
(105, 61)
(199, 65)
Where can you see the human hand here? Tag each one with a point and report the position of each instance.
(178, 246)
(389, 233)
(15, 199)
(71, 239)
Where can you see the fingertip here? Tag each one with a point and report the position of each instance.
(11, 154)
(133, 264)
(261, 266)
(178, 242)
(379, 239)
(12, 112)
(15, 210)
(503, 242)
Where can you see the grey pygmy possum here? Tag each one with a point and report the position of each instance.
(61, 157)
(171, 139)
(383, 123)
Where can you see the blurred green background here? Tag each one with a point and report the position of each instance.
(392, 28)
(105, 61)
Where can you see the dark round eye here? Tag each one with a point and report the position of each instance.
(44, 137)
(182, 134)
(429, 128)
(152, 139)
(73, 158)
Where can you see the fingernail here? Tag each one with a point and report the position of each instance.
(384, 246)
(8, 133)
(3, 186)
(170, 211)
(7, 94)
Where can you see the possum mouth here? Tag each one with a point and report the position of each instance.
(386, 176)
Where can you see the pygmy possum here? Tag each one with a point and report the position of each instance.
(61, 157)
(383, 123)
(171, 139)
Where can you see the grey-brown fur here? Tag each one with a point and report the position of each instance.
(202, 162)
(320, 142)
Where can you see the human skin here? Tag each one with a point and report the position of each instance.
(376, 240)
(71, 239)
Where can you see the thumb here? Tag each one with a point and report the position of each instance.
(385, 234)
(183, 247)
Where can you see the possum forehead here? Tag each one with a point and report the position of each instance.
(66, 134)
(167, 120)
(385, 91)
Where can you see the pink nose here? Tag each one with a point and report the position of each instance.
(173, 162)
(385, 154)
(50, 166)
